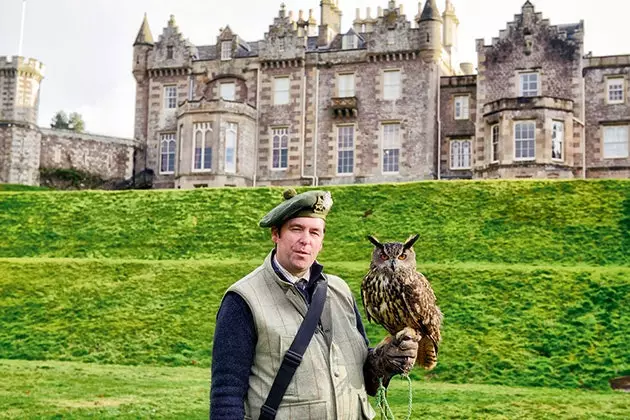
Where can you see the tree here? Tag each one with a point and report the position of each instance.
(73, 122)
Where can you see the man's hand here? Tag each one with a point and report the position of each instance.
(398, 354)
(392, 356)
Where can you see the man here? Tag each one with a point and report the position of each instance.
(261, 314)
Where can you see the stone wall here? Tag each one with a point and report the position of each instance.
(108, 157)
(19, 153)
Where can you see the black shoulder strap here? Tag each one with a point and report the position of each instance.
(293, 356)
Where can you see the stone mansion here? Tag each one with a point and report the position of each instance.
(314, 103)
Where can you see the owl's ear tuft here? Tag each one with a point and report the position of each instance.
(375, 241)
(412, 240)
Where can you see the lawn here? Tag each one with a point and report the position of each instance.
(70, 390)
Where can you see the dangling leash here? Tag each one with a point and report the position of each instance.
(383, 405)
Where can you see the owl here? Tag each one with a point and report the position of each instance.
(396, 296)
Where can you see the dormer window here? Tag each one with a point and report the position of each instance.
(350, 42)
(169, 52)
(226, 50)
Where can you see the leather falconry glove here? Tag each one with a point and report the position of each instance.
(392, 356)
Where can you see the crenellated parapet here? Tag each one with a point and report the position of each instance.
(283, 41)
(529, 29)
(367, 23)
(22, 66)
(172, 49)
(391, 31)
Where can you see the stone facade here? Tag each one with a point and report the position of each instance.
(529, 89)
(607, 113)
(26, 148)
(382, 102)
(310, 104)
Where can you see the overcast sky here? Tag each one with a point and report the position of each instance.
(86, 45)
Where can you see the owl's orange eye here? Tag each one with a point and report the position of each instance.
(402, 257)
(384, 257)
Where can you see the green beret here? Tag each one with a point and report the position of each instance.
(308, 204)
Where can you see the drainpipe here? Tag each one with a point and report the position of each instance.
(316, 129)
(257, 128)
(583, 145)
(583, 127)
(439, 126)
(303, 128)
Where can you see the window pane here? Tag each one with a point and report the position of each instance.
(228, 91)
(391, 85)
(615, 90)
(230, 148)
(524, 140)
(284, 158)
(529, 84)
(280, 146)
(345, 145)
(281, 90)
(170, 97)
(557, 140)
(346, 85)
(461, 107)
(495, 143)
(198, 149)
(390, 160)
(616, 141)
(207, 158)
(226, 50)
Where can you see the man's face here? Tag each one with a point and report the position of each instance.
(298, 242)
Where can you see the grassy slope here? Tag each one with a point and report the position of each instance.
(511, 222)
(74, 390)
(512, 325)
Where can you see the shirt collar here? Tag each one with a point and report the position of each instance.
(288, 276)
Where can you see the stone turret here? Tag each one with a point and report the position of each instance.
(430, 26)
(141, 48)
(20, 78)
(20, 138)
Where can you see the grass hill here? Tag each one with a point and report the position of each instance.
(536, 222)
(533, 277)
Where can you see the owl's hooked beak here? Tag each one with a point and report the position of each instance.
(393, 264)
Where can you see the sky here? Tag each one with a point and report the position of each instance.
(86, 45)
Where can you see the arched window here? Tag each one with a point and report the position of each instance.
(231, 134)
(167, 153)
(202, 150)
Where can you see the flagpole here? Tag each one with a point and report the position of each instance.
(22, 28)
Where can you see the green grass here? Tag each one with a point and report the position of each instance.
(53, 390)
(512, 325)
(539, 222)
(533, 278)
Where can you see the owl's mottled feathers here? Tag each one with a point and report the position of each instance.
(396, 296)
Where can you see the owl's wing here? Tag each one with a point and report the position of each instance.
(421, 309)
(367, 312)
